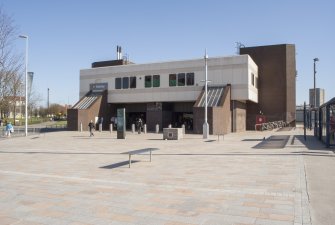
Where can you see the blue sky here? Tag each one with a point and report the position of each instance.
(68, 35)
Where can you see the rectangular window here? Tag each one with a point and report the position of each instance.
(125, 82)
(190, 79)
(252, 79)
(118, 83)
(181, 79)
(172, 80)
(156, 81)
(148, 81)
(256, 82)
(132, 82)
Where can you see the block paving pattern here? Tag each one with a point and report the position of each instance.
(69, 178)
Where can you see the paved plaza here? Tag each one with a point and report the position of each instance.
(264, 178)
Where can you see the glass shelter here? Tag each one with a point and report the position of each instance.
(325, 125)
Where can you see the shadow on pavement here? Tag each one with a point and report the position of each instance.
(312, 143)
(256, 139)
(120, 164)
(273, 142)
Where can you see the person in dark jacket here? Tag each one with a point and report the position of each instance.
(91, 127)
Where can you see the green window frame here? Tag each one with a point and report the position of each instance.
(156, 81)
(148, 81)
(172, 80)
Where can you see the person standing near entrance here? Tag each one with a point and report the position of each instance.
(91, 127)
(139, 124)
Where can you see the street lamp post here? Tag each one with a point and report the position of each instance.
(48, 101)
(315, 60)
(26, 85)
(20, 100)
(205, 127)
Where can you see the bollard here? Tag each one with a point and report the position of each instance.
(100, 127)
(222, 137)
(111, 127)
(170, 126)
(183, 128)
(81, 127)
(133, 128)
(145, 128)
(157, 128)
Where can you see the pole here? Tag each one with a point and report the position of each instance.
(315, 60)
(21, 101)
(305, 121)
(26, 113)
(48, 100)
(206, 103)
(314, 105)
(26, 84)
(205, 128)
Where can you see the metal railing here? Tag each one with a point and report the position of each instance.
(20, 131)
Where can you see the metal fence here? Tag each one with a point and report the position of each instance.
(20, 131)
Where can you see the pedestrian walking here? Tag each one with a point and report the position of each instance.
(91, 127)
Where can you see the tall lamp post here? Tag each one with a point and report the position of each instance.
(48, 101)
(315, 60)
(26, 85)
(205, 127)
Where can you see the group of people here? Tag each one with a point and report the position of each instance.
(91, 125)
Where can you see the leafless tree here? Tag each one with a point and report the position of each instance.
(33, 98)
(10, 64)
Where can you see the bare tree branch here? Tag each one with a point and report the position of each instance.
(10, 63)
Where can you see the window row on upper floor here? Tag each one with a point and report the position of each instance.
(181, 79)
(125, 82)
(153, 81)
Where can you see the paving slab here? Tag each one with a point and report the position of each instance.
(71, 178)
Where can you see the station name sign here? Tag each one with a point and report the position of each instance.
(98, 87)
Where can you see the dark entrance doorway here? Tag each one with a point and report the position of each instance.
(132, 117)
(180, 118)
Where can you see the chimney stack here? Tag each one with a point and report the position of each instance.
(118, 52)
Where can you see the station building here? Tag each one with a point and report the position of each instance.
(172, 92)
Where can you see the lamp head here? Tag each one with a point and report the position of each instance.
(23, 36)
(316, 59)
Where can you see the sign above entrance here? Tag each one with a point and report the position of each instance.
(98, 87)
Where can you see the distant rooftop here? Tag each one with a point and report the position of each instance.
(117, 62)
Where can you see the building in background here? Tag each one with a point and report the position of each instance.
(320, 97)
(15, 107)
(276, 84)
(259, 81)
